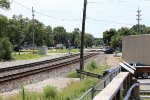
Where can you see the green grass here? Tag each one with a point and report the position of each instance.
(73, 91)
(91, 66)
(63, 51)
(73, 74)
(27, 56)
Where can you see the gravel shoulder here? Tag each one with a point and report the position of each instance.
(21, 62)
(113, 61)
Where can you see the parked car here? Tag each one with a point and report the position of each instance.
(109, 50)
(142, 70)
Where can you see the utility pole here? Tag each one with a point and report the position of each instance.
(33, 28)
(138, 19)
(82, 38)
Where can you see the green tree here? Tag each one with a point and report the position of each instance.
(126, 31)
(5, 49)
(77, 37)
(98, 41)
(17, 30)
(48, 36)
(60, 35)
(107, 35)
(4, 4)
(3, 25)
(89, 40)
(116, 41)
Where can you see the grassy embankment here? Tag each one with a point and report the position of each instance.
(27, 54)
(74, 89)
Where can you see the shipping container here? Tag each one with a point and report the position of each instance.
(136, 48)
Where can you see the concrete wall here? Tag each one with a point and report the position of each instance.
(136, 48)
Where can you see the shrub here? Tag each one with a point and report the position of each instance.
(5, 49)
(50, 92)
(73, 74)
(91, 65)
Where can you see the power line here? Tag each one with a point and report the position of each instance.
(108, 21)
(64, 19)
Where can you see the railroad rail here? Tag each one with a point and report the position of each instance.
(36, 63)
(18, 75)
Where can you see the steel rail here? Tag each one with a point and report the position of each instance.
(40, 70)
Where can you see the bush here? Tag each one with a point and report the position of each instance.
(73, 74)
(50, 92)
(5, 49)
(91, 65)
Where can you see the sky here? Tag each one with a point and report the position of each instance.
(101, 14)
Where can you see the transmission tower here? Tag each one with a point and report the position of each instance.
(138, 19)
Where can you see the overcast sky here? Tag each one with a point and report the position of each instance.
(101, 14)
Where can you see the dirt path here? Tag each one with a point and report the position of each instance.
(113, 61)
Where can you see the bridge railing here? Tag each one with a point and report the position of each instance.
(94, 90)
(114, 89)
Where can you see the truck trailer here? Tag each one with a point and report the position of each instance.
(136, 50)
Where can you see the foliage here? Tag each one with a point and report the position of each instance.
(3, 25)
(20, 32)
(98, 41)
(50, 92)
(91, 65)
(73, 74)
(59, 35)
(72, 91)
(113, 37)
(4, 4)
(75, 89)
(107, 35)
(89, 40)
(25, 56)
(5, 49)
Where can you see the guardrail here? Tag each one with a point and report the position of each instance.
(113, 89)
(94, 90)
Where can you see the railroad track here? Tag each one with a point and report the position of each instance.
(18, 75)
(35, 63)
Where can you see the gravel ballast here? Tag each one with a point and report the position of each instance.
(57, 73)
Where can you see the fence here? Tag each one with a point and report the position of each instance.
(113, 90)
(94, 90)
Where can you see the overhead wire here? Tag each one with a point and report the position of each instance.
(66, 19)
(108, 21)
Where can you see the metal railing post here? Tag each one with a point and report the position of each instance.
(92, 92)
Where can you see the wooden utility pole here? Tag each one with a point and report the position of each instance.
(33, 28)
(138, 19)
(82, 38)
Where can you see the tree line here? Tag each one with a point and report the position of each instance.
(113, 37)
(20, 30)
